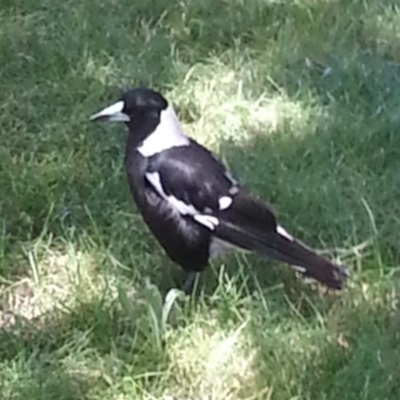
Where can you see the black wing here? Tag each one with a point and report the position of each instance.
(199, 185)
(193, 175)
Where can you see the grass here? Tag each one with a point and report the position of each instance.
(301, 100)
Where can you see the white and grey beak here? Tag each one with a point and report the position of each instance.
(112, 113)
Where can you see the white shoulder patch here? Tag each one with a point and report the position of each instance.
(225, 202)
(231, 178)
(233, 190)
(284, 233)
(181, 207)
(178, 205)
(207, 220)
(155, 181)
(167, 134)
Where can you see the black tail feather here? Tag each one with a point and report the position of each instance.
(278, 244)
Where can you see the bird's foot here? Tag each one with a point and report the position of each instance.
(189, 283)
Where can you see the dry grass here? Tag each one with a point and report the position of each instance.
(300, 98)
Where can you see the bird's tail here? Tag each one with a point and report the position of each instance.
(281, 246)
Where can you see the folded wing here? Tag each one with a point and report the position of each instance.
(198, 186)
(250, 224)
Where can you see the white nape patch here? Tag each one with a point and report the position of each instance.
(179, 205)
(284, 233)
(224, 202)
(112, 113)
(299, 269)
(207, 220)
(167, 134)
(219, 247)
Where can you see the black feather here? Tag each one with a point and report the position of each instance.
(188, 199)
(251, 225)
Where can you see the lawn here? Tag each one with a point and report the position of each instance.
(301, 98)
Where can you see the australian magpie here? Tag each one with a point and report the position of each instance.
(191, 202)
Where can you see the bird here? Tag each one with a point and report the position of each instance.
(192, 204)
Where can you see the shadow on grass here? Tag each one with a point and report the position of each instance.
(305, 344)
(319, 179)
(351, 80)
(49, 381)
(350, 354)
(71, 355)
(31, 370)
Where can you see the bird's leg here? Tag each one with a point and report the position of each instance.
(189, 283)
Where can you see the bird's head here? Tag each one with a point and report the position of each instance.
(147, 114)
(136, 104)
